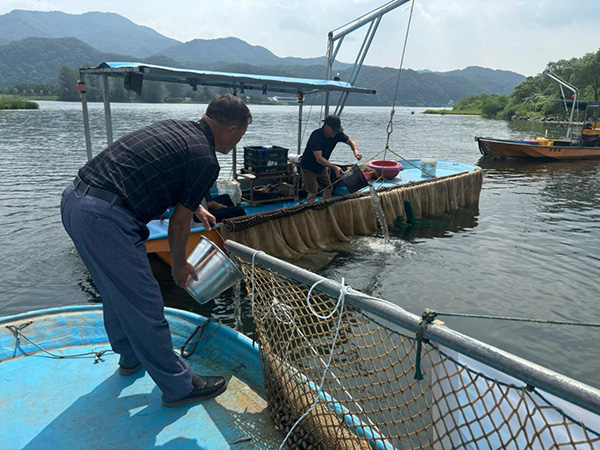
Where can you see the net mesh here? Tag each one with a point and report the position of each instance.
(369, 396)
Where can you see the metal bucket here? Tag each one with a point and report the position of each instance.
(216, 272)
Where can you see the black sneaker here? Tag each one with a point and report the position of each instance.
(203, 389)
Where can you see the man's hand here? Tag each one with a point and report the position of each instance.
(338, 171)
(183, 274)
(206, 219)
(357, 154)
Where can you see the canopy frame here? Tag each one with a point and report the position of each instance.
(134, 74)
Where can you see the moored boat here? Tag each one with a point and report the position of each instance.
(60, 387)
(453, 184)
(585, 145)
(421, 186)
(537, 148)
(340, 369)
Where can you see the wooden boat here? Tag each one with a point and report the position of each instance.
(586, 145)
(51, 400)
(411, 175)
(136, 73)
(538, 148)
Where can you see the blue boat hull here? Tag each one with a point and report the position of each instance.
(49, 402)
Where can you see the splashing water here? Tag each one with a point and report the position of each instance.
(237, 306)
(379, 212)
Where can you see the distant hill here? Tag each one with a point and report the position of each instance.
(495, 81)
(106, 32)
(38, 60)
(27, 59)
(201, 52)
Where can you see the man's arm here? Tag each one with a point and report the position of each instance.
(354, 146)
(325, 162)
(179, 233)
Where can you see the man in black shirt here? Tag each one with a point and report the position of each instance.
(105, 211)
(315, 159)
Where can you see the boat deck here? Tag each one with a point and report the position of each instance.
(83, 403)
(410, 173)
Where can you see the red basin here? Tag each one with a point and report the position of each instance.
(385, 168)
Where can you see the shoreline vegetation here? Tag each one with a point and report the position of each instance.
(14, 103)
(17, 103)
(445, 112)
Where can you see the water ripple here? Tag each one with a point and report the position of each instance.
(531, 248)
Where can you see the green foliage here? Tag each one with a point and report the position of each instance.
(67, 84)
(540, 96)
(492, 105)
(537, 95)
(16, 103)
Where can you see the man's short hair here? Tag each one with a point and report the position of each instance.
(228, 109)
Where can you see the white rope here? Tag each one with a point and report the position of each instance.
(343, 292)
(340, 304)
(252, 294)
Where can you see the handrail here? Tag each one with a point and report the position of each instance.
(531, 374)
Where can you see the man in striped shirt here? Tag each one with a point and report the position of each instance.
(105, 211)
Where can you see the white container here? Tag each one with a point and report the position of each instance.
(428, 167)
(216, 272)
(231, 188)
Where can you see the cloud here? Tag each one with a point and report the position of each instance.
(518, 35)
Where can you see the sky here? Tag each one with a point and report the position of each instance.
(517, 35)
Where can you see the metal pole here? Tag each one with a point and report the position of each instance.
(300, 107)
(86, 118)
(368, 18)
(531, 374)
(575, 98)
(329, 64)
(373, 18)
(234, 163)
(107, 115)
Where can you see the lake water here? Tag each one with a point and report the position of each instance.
(530, 249)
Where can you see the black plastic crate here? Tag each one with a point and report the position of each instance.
(259, 159)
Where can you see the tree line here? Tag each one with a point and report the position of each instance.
(540, 96)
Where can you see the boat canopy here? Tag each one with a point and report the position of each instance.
(134, 74)
(239, 82)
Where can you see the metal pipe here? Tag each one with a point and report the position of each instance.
(107, 115)
(575, 98)
(368, 18)
(328, 68)
(529, 373)
(300, 108)
(360, 58)
(86, 118)
(368, 41)
(234, 162)
(374, 18)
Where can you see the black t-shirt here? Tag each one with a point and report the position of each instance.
(318, 141)
(170, 162)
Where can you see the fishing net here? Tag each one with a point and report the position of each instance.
(296, 231)
(352, 376)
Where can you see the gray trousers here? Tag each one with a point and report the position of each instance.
(110, 241)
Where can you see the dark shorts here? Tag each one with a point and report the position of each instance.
(315, 181)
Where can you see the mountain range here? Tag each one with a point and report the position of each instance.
(34, 45)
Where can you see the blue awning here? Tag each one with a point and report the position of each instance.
(237, 81)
